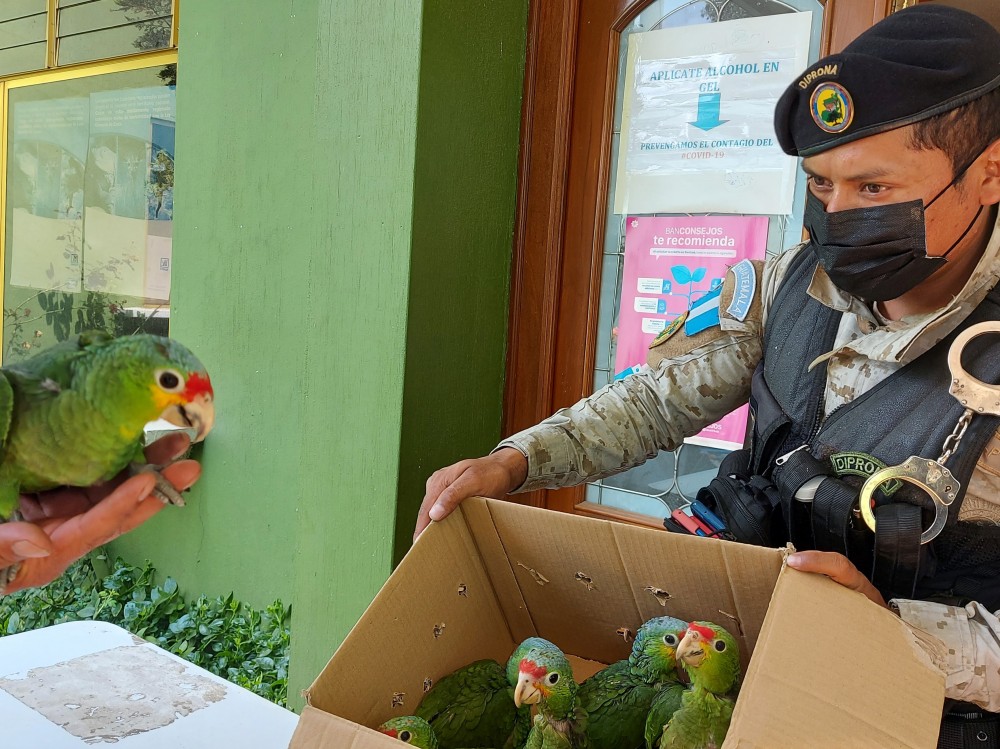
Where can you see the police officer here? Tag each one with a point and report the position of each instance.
(841, 347)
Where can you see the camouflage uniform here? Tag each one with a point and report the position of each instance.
(691, 382)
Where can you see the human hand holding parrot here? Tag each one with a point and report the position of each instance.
(62, 525)
(73, 416)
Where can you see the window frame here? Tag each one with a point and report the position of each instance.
(157, 58)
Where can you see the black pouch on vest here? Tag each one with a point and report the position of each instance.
(750, 506)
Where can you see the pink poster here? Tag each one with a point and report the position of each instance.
(671, 263)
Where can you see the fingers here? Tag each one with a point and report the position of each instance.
(436, 484)
(67, 538)
(492, 476)
(20, 541)
(181, 474)
(64, 502)
(838, 568)
(168, 448)
(464, 486)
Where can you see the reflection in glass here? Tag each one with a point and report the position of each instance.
(22, 36)
(110, 28)
(89, 206)
(669, 480)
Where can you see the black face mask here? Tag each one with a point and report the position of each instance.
(877, 253)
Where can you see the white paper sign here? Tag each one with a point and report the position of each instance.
(697, 120)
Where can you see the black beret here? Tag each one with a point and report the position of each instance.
(916, 63)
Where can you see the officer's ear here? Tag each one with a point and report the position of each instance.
(990, 192)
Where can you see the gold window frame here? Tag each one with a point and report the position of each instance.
(54, 73)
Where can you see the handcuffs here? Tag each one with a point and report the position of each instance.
(932, 475)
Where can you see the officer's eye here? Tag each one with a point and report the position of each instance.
(553, 678)
(170, 380)
(818, 182)
(405, 736)
(670, 640)
(720, 646)
(872, 189)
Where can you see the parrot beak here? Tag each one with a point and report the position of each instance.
(526, 692)
(692, 649)
(198, 413)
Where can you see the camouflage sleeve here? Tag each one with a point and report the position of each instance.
(964, 643)
(629, 421)
(688, 383)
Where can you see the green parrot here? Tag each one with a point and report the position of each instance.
(411, 730)
(711, 657)
(474, 706)
(665, 704)
(545, 678)
(74, 414)
(618, 698)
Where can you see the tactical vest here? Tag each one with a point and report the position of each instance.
(908, 413)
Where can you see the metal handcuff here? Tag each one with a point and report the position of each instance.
(932, 475)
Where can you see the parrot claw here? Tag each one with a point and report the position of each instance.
(164, 490)
(7, 575)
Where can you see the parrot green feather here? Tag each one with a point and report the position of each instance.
(74, 414)
(560, 723)
(665, 704)
(711, 657)
(474, 706)
(413, 730)
(617, 699)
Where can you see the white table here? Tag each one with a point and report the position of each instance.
(83, 684)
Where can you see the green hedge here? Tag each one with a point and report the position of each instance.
(246, 646)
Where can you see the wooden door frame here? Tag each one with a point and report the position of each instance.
(563, 172)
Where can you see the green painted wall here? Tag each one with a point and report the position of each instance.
(345, 197)
(472, 68)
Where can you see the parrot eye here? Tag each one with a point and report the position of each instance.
(405, 736)
(553, 678)
(670, 640)
(720, 646)
(170, 380)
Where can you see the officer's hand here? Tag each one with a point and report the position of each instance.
(838, 568)
(492, 476)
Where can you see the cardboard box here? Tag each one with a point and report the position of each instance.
(824, 667)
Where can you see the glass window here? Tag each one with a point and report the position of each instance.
(89, 207)
(98, 29)
(22, 35)
(671, 479)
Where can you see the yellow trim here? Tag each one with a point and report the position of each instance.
(84, 69)
(175, 11)
(51, 33)
(900, 4)
(3, 207)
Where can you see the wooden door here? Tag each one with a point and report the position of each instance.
(567, 131)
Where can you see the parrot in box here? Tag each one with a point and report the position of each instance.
(474, 706)
(414, 731)
(618, 698)
(411, 730)
(711, 658)
(666, 702)
(73, 415)
(545, 678)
